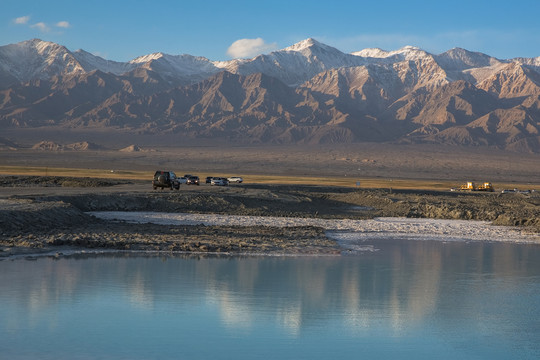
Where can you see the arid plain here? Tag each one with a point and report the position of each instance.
(345, 163)
(45, 194)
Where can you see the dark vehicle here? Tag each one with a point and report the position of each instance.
(165, 179)
(193, 180)
(209, 179)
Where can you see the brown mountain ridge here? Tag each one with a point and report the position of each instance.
(410, 96)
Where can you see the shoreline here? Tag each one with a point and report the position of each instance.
(49, 216)
(376, 228)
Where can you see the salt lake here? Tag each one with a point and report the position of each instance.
(394, 298)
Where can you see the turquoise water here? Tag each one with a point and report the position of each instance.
(404, 300)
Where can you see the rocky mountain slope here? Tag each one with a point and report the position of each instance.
(306, 93)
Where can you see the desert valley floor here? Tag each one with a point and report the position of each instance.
(45, 195)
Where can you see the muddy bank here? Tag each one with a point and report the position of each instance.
(56, 218)
(36, 226)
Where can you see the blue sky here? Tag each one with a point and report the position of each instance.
(219, 30)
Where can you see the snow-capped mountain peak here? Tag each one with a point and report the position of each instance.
(304, 44)
(372, 53)
(409, 48)
(460, 59)
(410, 53)
(405, 53)
(294, 64)
(147, 58)
(38, 59)
(331, 95)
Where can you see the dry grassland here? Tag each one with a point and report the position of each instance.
(369, 165)
(366, 183)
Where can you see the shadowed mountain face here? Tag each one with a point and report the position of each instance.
(306, 93)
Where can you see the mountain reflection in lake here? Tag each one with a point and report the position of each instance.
(409, 299)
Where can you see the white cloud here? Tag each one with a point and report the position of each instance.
(63, 24)
(246, 48)
(22, 20)
(41, 26)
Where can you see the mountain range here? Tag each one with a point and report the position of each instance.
(306, 93)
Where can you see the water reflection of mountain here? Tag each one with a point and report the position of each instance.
(402, 284)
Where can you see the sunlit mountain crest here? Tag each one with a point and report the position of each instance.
(308, 92)
(41, 59)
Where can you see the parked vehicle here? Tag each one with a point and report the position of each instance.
(182, 180)
(163, 179)
(193, 180)
(209, 179)
(219, 181)
(236, 179)
(471, 186)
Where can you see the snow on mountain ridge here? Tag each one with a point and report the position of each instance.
(177, 69)
(306, 44)
(405, 53)
(293, 65)
(372, 53)
(332, 96)
(93, 62)
(38, 59)
(533, 63)
(147, 58)
(461, 59)
(189, 64)
(172, 65)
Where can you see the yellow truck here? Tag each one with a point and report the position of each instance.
(471, 186)
(487, 186)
